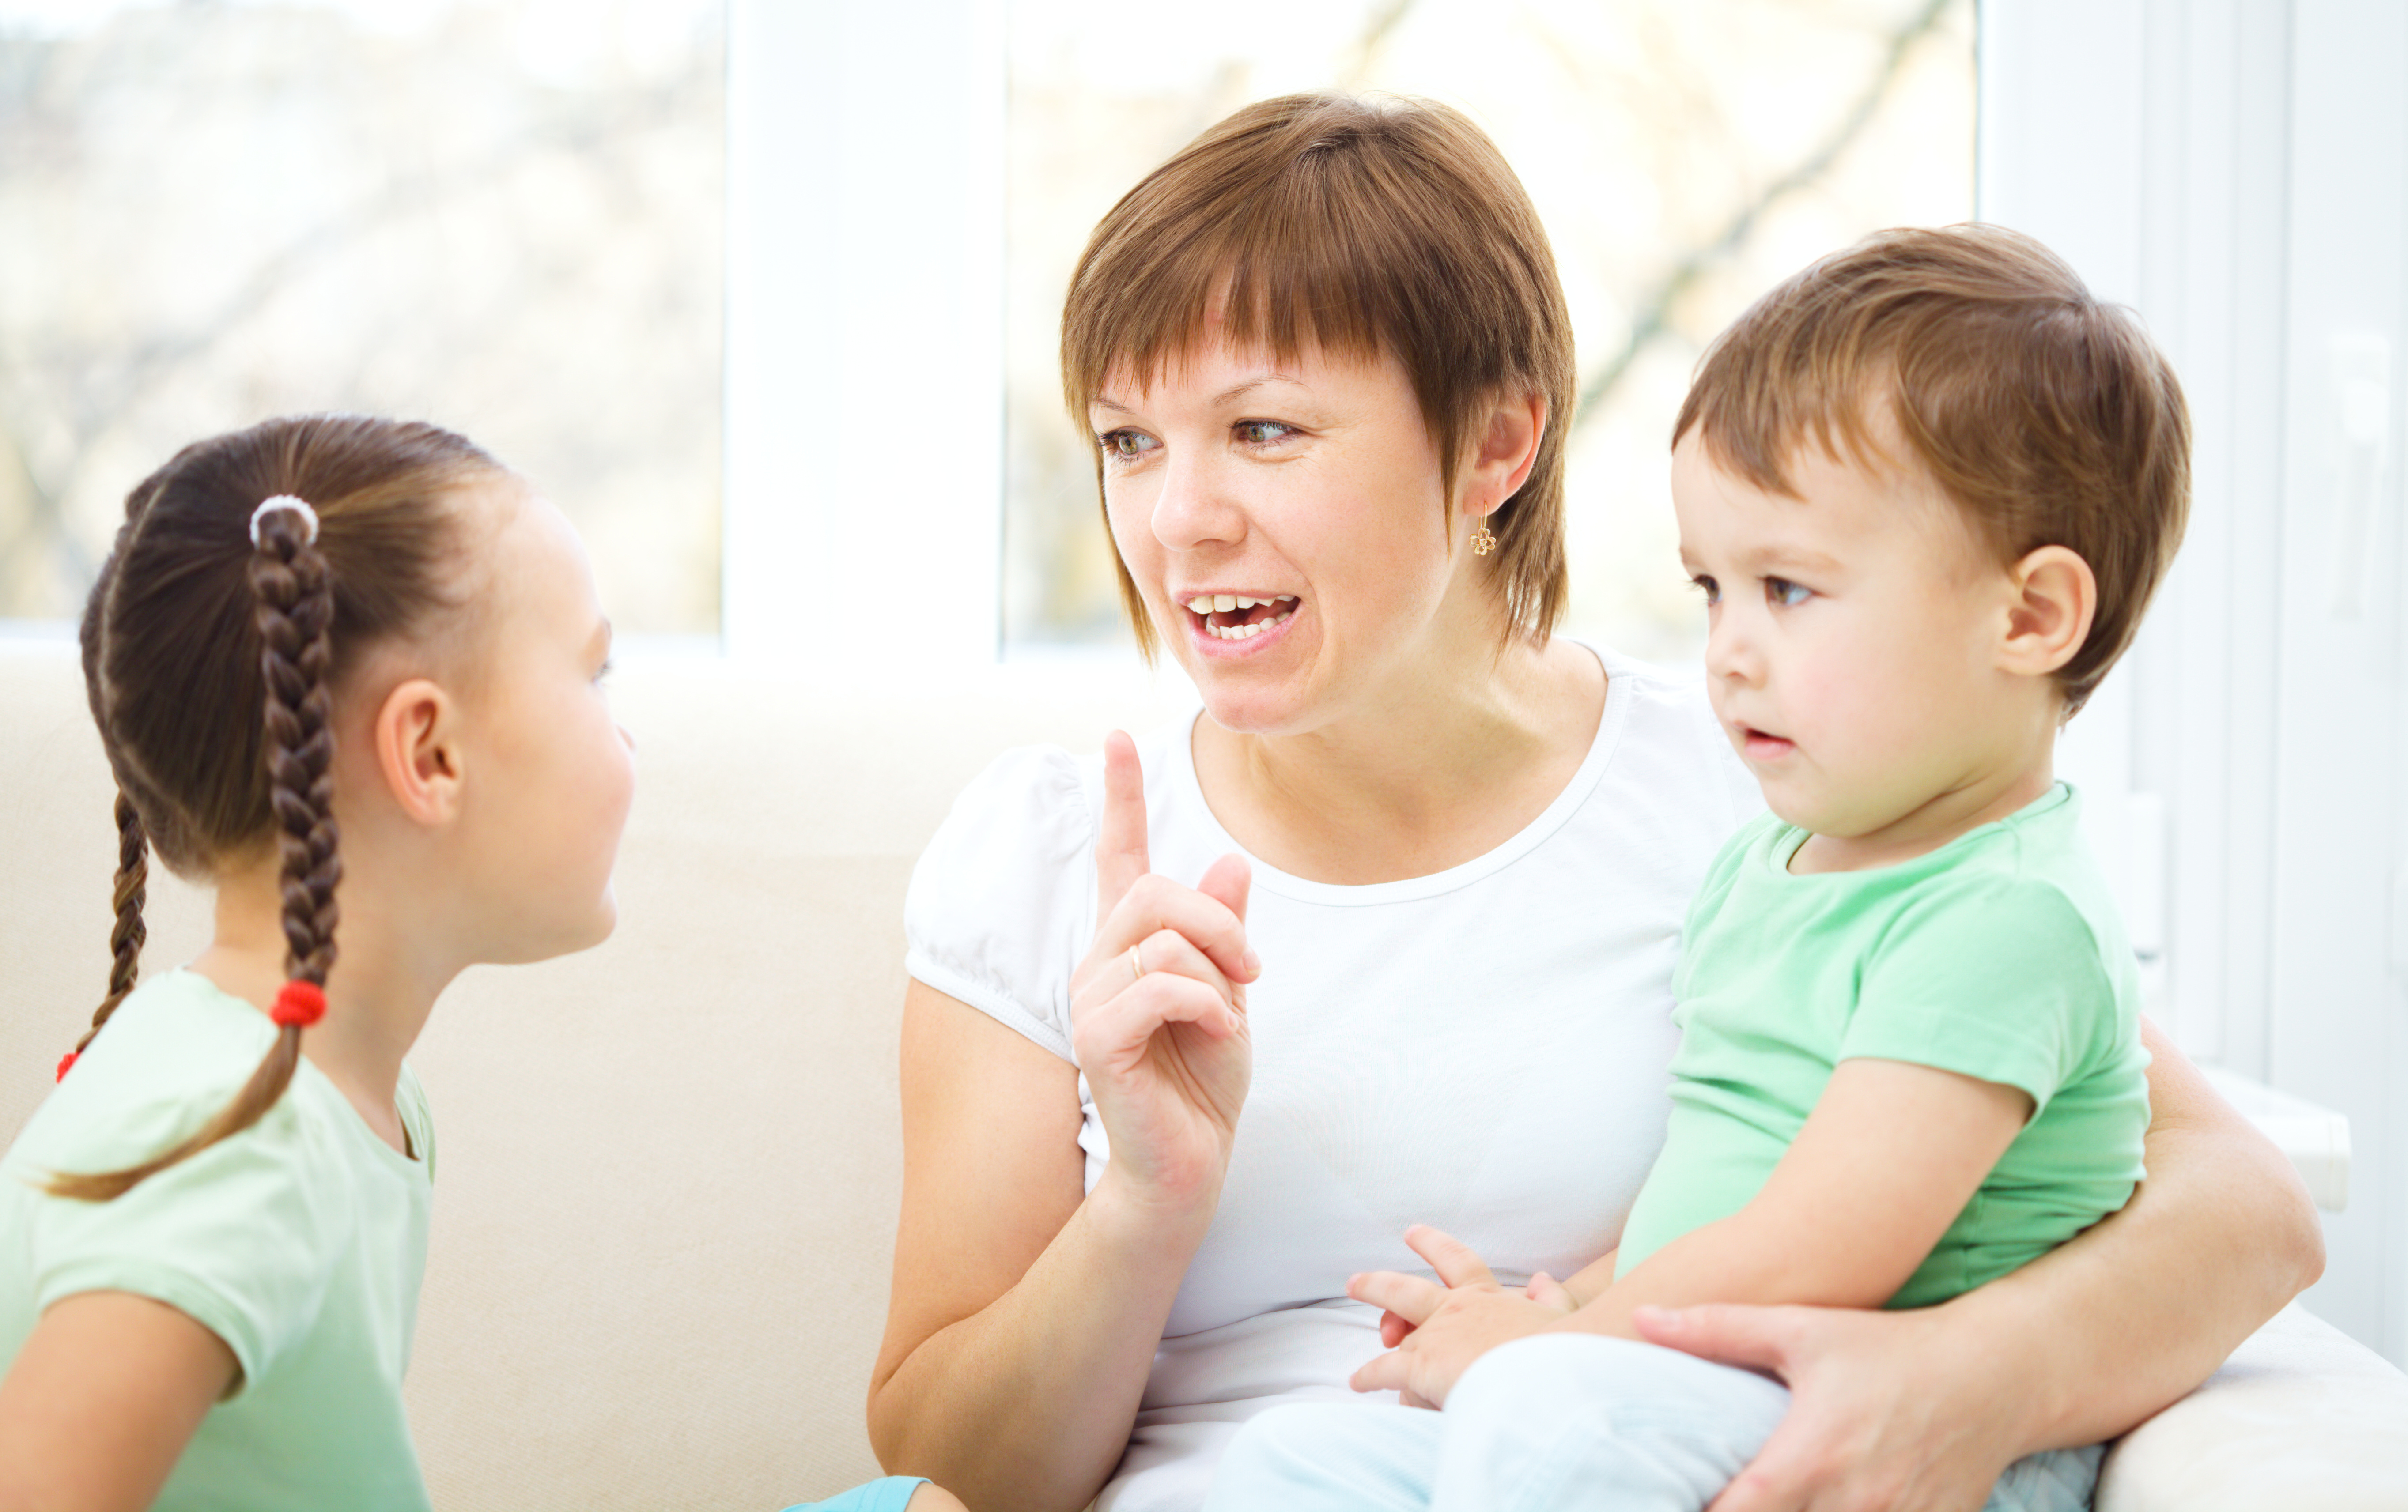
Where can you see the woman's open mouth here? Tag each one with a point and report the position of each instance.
(1240, 616)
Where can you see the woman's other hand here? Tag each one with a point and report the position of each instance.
(1434, 1332)
(1877, 1421)
(1158, 1007)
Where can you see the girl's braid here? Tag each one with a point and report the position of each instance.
(295, 607)
(125, 939)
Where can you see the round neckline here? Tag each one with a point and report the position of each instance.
(322, 1086)
(1788, 839)
(1585, 778)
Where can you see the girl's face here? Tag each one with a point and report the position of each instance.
(1285, 524)
(550, 773)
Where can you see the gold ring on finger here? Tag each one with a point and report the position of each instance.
(1137, 963)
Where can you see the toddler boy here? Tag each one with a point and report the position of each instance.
(1926, 488)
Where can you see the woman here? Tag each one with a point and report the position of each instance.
(1326, 361)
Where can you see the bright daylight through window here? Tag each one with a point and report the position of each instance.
(1684, 154)
(501, 215)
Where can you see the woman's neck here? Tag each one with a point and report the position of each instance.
(1431, 772)
(379, 995)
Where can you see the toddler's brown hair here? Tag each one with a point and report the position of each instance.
(2047, 416)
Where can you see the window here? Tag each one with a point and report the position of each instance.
(1683, 156)
(502, 215)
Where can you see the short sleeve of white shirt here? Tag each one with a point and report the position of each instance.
(1003, 901)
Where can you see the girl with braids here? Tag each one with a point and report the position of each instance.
(348, 670)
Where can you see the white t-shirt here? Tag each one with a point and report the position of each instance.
(1485, 1048)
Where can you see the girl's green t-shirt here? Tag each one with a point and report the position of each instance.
(1999, 956)
(300, 1242)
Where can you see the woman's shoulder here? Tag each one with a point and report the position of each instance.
(1669, 752)
(1003, 900)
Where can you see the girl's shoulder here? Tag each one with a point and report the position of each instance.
(173, 1054)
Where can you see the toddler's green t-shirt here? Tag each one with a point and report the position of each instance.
(300, 1242)
(1999, 956)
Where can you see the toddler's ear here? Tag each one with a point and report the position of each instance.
(2052, 599)
(418, 752)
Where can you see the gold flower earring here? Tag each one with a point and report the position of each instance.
(1483, 540)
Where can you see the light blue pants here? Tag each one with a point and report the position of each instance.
(1555, 1423)
(887, 1495)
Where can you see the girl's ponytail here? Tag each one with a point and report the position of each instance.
(178, 613)
(295, 610)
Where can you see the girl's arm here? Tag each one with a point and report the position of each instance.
(1925, 1408)
(1844, 1220)
(101, 1401)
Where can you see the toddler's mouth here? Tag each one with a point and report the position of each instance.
(1764, 743)
(1240, 616)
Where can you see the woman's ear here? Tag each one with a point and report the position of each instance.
(418, 751)
(1507, 449)
(2052, 598)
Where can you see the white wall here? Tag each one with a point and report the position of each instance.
(2236, 170)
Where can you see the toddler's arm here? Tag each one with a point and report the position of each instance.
(101, 1401)
(1884, 1164)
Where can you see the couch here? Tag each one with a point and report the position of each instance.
(668, 1167)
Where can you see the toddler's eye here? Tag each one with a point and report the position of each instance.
(1707, 586)
(1260, 433)
(1123, 444)
(1787, 594)
(602, 673)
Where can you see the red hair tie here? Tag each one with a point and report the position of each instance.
(67, 1064)
(298, 1003)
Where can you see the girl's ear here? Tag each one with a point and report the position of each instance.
(1507, 449)
(418, 751)
(2052, 598)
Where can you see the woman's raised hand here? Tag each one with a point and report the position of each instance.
(1158, 1007)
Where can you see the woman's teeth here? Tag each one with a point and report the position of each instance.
(1206, 605)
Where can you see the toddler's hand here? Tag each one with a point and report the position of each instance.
(1435, 1333)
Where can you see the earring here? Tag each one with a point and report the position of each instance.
(1483, 540)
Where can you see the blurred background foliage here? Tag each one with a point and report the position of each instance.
(505, 216)
(501, 215)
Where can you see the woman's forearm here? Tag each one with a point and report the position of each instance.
(2133, 1314)
(1026, 1404)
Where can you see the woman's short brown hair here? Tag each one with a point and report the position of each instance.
(1370, 227)
(2049, 417)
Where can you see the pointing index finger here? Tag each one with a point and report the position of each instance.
(1119, 831)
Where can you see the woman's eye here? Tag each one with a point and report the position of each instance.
(1261, 433)
(1707, 586)
(1125, 444)
(1787, 594)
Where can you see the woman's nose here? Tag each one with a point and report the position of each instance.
(1196, 506)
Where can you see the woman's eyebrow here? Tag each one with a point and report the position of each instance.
(1238, 390)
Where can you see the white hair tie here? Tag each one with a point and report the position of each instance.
(286, 501)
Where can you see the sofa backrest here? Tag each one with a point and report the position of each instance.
(668, 1168)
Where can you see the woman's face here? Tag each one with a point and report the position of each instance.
(1285, 524)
